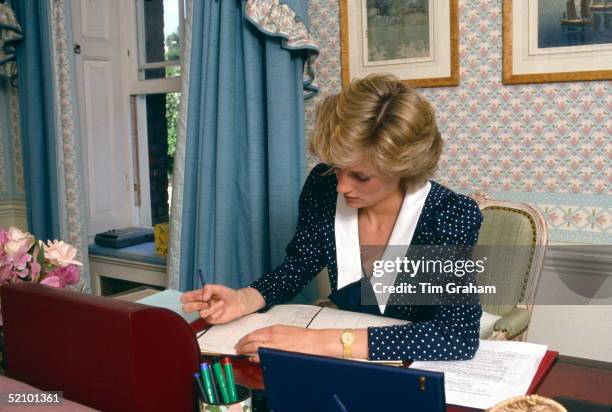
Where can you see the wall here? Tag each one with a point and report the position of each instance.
(12, 196)
(547, 144)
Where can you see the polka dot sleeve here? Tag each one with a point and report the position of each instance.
(453, 331)
(304, 258)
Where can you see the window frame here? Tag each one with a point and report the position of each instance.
(135, 53)
(138, 89)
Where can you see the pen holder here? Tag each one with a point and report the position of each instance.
(243, 404)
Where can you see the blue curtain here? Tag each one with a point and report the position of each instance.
(36, 107)
(244, 146)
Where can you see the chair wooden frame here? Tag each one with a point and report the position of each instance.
(540, 238)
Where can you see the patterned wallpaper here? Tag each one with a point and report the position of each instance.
(546, 144)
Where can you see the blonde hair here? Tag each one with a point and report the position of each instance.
(530, 403)
(381, 120)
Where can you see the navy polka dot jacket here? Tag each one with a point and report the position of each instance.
(449, 332)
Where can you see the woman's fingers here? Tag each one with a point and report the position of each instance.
(212, 309)
(254, 358)
(195, 306)
(206, 293)
(248, 348)
(249, 344)
(202, 299)
(192, 296)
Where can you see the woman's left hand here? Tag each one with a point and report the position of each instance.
(289, 338)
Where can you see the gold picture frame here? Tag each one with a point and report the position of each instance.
(524, 61)
(439, 64)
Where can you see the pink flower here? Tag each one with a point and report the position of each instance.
(6, 272)
(18, 242)
(34, 271)
(68, 275)
(54, 281)
(60, 254)
(4, 238)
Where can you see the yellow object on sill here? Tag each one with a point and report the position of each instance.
(161, 232)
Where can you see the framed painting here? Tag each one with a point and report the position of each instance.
(416, 40)
(556, 40)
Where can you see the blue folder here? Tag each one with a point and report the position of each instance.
(298, 382)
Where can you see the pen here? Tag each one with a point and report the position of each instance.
(208, 384)
(201, 275)
(200, 388)
(215, 385)
(216, 367)
(229, 375)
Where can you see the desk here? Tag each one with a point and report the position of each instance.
(571, 377)
(579, 378)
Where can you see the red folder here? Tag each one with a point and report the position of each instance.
(546, 365)
(550, 357)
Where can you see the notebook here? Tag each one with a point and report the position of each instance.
(221, 339)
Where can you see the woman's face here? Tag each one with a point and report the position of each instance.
(363, 186)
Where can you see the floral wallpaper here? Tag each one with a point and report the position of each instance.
(544, 144)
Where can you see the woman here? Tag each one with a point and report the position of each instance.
(380, 144)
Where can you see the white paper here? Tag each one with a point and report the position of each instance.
(170, 299)
(500, 370)
(223, 338)
(330, 318)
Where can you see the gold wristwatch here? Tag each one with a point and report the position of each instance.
(347, 338)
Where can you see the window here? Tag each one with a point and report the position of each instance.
(155, 92)
(159, 38)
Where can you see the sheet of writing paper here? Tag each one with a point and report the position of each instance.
(330, 318)
(170, 299)
(500, 370)
(223, 338)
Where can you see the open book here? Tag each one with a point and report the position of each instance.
(221, 339)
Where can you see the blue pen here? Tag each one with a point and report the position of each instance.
(201, 275)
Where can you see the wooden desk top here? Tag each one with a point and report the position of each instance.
(570, 377)
(579, 378)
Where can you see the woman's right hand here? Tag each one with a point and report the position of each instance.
(220, 304)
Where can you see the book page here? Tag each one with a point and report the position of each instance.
(500, 370)
(330, 318)
(222, 338)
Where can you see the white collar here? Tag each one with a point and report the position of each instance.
(348, 257)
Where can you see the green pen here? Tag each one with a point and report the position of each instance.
(207, 380)
(229, 374)
(216, 367)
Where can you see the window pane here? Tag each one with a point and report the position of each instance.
(163, 73)
(160, 39)
(162, 115)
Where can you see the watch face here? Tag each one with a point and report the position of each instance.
(348, 338)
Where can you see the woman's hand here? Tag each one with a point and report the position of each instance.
(291, 338)
(220, 304)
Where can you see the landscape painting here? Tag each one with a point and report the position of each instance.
(565, 23)
(397, 30)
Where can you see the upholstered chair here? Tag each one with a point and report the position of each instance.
(517, 234)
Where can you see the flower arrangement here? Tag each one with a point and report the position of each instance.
(23, 259)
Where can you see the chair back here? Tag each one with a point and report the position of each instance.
(517, 233)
